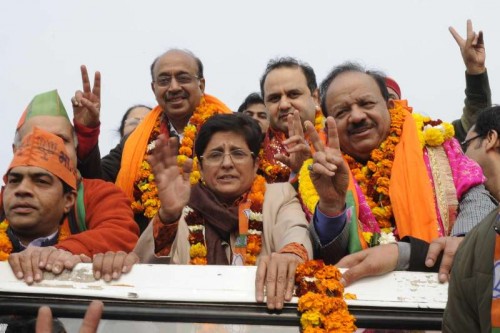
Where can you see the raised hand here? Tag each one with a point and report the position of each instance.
(87, 103)
(472, 49)
(296, 145)
(329, 173)
(172, 182)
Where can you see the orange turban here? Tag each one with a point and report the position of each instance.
(47, 151)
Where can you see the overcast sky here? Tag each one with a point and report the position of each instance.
(43, 43)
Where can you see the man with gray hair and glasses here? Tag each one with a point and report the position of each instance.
(179, 87)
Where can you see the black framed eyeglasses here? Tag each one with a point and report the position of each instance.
(465, 144)
(182, 79)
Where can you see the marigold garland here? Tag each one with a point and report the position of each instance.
(145, 190)
(432, 133)
(196, 226)
(278, 171)
(6, 245)
(321, 298)
(374, 177)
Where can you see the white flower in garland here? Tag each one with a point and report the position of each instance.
(386, 238)
(186, 210)
(255, 216)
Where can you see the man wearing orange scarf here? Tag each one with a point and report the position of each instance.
(287, 85)
(384, 181)
(179, 85)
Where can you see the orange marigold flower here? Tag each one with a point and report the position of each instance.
(186, 151)
(339, 321)
(308, 269)
(332, 286)
(311, 329)
(328, 272)
(250, 260)
(187, 141)
(371, 166)
(198, 261)
(312, 302)
(377, 155)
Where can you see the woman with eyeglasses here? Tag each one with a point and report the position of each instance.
(231, 216)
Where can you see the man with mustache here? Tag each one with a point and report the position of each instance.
(39, 193)
(100, 220)
(389, 175)
(287, 86)
(179, 87)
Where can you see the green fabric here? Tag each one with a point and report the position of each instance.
(80, 208)
(46, 104)
(354, 243)
(469, 293)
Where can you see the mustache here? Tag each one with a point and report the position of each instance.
(285, 113)
(169, 95)
(359, 127)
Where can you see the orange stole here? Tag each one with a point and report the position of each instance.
(133, 152)
(410, 190)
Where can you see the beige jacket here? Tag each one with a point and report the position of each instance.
(284, 223)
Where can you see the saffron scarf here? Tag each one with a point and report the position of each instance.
(415, 215)
(135, 146)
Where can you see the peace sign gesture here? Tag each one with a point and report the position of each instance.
(329, 173)
(87, 103)
(472, 49)
(296, 145)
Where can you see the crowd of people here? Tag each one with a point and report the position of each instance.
(345, 171)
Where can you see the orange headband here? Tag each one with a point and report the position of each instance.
(47, 151)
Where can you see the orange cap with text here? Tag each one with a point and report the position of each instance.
(47, 151)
